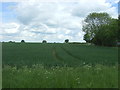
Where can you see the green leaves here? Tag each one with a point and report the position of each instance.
(100, 29)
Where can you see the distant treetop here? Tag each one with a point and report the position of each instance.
(67, 40)
(22, 40)
(44, 41)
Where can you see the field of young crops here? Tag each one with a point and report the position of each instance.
(59, 66)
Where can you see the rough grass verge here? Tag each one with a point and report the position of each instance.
(38, 76)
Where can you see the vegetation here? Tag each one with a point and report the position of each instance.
(35, 65)
(67, 40)
(17, 54)
(22, 41)
(11, 41)
(101, 29)
(44, 41)
(72, 65)
(60, 77)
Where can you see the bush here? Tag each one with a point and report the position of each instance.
(11, 41)
(22, 41)
(44, 41)
(67, 40)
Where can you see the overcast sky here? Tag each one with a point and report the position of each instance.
(51, 21)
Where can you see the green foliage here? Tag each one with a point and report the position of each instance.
(107, 34)
(60, 77)
(67, 40)
(87, 38)
(44, 41)
(11, 41)
(22, 41)
(100, 29)
(93, 21)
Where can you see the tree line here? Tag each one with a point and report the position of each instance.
(44, 41)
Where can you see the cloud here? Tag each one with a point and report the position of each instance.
(85, 7)
(54, 21)
(10, 28)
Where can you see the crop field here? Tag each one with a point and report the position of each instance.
(59, 65)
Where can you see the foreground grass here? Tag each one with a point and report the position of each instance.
(60, 77)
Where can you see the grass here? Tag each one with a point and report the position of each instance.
(57, 77)
(36, 65)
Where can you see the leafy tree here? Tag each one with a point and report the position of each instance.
(44, 41)
(93, 22)
(67, 40)
(101, 29)
(107, 34)
(23, 41)
(10, 41)
(87, 38)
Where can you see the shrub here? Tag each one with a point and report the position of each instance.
(44, 41)
(67, 40)
(11, 41)
(23, 41)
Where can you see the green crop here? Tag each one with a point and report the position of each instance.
(38, 65)
(19, 54)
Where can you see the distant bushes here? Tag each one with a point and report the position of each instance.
(11, 41)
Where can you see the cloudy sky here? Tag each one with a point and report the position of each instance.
(52, 21)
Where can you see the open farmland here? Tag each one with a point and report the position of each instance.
(59, 65)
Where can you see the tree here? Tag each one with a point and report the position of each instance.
(101, 29)
(92, 23)
(22, 41)
(44, 41)
(67, 40)
(87, 38)
(11, 41)
(107, 34)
